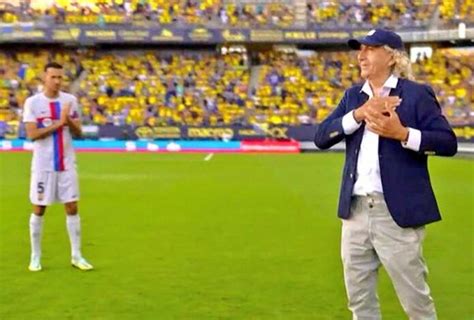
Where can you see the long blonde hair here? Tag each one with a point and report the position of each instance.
(402, 66)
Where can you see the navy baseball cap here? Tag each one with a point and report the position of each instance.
(378, 37)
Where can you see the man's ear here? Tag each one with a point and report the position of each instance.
(391, 63)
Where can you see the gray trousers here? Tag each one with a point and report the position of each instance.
(371, 238)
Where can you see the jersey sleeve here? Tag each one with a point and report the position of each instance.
(28, 115)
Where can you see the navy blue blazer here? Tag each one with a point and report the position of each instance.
(404, 172)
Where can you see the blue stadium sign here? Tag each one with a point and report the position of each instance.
(94, 34)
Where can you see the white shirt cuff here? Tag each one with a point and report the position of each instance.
(349, 124)
(414, 140)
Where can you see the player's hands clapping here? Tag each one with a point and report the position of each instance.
(65, 114)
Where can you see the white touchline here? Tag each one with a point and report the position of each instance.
(209, 157)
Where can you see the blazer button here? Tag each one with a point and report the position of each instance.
(351, 175)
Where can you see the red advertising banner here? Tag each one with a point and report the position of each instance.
(270, 146)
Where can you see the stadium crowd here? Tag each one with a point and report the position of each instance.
(212, 13)
(220, 13)
(390, 14)
(207, 88)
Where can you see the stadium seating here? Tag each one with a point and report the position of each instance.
(372, 13)
(451, 73)
(20, 76)
(453, 12)
(220, 13)
(205, 88)
(164, 89)
(164, 12)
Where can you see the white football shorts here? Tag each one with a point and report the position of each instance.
(48, 187)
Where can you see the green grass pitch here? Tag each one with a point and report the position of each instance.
(238, 237)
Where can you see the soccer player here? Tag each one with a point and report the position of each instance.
(50, 118)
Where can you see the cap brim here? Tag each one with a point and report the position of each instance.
(356, 43)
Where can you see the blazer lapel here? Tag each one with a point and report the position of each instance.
(361, 99)
(398, 92)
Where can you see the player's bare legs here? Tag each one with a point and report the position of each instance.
(73, 223)
(36, 230)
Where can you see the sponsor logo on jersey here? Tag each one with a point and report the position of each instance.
(47, 122)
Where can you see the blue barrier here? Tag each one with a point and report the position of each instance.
(134, 146)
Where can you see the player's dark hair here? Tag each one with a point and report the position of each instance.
(53, 65)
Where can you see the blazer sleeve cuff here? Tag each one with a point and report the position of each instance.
(414, 140)
(349, 124)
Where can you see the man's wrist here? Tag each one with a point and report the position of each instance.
(404, 135)
(357, 116)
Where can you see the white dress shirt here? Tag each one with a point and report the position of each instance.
(368, 169)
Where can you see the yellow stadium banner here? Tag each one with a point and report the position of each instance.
(266, 35)
(213, 133)
(146, 132)
(300, 35)
(13, 129)
(101, 34)
(200, 34)
(234, 36)
(134, 35)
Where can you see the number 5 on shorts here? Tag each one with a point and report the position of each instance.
(40, 189)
